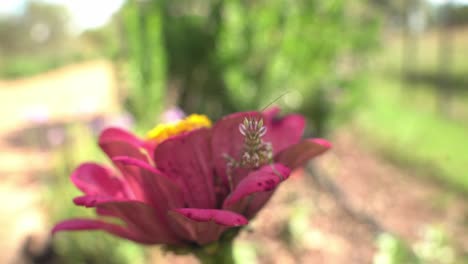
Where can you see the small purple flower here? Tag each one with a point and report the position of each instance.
(193, 186)
(173, 114)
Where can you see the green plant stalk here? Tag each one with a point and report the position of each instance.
(217, 253)
(146, 59)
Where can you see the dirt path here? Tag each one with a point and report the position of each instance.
(73, 92)
(79, 89)
(399, 199)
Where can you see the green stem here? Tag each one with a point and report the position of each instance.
(218, 253)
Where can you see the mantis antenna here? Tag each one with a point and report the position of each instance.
(276, 99)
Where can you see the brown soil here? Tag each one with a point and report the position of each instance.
(391, 196)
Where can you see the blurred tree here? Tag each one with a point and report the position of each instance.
(309, 47)
(42, 27)
(220, 56)
(144, 57)
(458, 14)
(34, 41)
(413, 16)
(446, 48)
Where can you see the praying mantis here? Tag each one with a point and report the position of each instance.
(255, 151)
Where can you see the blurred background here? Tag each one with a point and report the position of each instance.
(385, 81)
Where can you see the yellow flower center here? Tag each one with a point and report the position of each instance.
(163, 131)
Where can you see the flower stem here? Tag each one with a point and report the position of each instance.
(219, 253)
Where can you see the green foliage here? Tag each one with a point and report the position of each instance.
(24, 66)
(13, 67)
(433, 247)
(270, 47)
(392, 250)
(38, 40)
(401, 118)
(144, 61)
(411, 136)
(221, 56)
(42, 27)
(457, 15)
(244, 252)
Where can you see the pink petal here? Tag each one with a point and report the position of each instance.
(298, 154)
(256, 202)
(93, 200)
(220, 217)
(227, 140)
(187, 160)
(117, 134)
(204, 225)
(263, 180)
(140, 219)
(93, 179)
(153, 187)
(284, 131)
(91, 224)
(117, 142)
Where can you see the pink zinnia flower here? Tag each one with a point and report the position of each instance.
(190, 183)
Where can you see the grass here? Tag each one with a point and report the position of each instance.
(403, 121)
(28, 65)
(412, 135)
